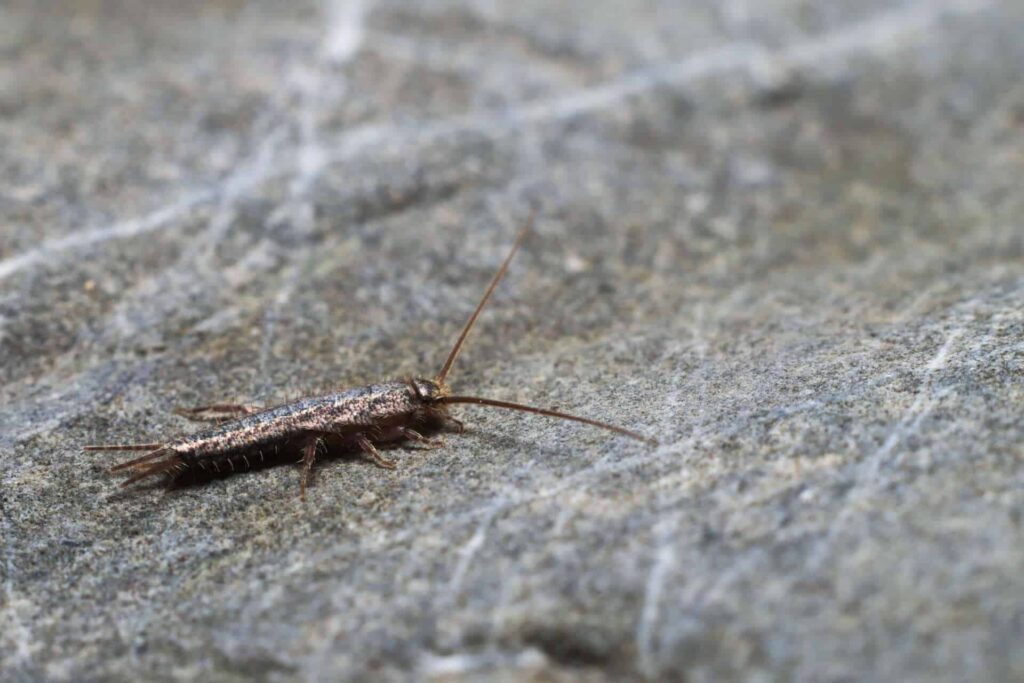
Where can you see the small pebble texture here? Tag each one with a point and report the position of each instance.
(785, 238)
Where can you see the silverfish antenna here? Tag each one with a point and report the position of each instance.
(507, 405)
(457, 348)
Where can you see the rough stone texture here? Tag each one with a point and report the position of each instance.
(784, 236)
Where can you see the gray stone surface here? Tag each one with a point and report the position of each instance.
(785, 237)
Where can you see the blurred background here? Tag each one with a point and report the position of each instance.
(783, 237)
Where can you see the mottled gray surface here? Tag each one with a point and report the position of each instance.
(785, 237)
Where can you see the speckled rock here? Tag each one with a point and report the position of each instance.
(785, 238)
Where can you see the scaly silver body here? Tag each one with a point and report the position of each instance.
(361, 418)
(380, 413)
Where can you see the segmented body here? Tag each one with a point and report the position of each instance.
(363, 417)
(378, 413)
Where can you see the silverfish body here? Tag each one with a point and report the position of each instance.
(357, 419)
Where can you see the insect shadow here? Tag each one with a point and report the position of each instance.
(360, 420)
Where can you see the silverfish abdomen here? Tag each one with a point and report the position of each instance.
(342, 412)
